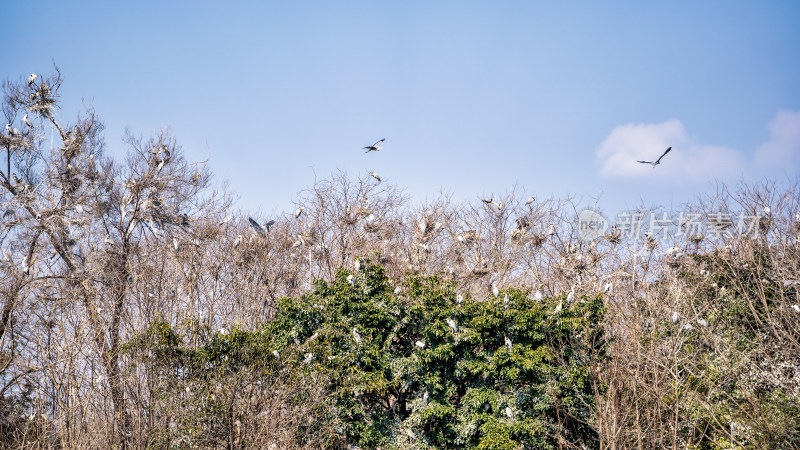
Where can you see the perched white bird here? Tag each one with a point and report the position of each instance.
(538, 296)
(356, 336)
(559, 307)
(505, 300)
(32, 78)
(224, 331)
(509, 412)
(530, 201)
(767, 210)
(688, 327)
(27, 121)
(495, 291)
(276, 354)
(796, 308)
(9, 130)
(459, 299)
(256, 226)
(374, 147)
(237, 241)
(419, 344)
(508, 343)
(308, 357)
(298, 212)
(551, 230)
(675, 317)
(425, 398)
(703, 323)
(358, 265)
(452, 324)
(658, 161)
(571, 296)
(351, 279)
(607, 287)
(227, 219)
(375, 175)
(175, 244)
(410, 434)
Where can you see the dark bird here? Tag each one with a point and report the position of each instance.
(374, 147)
(256, 226)
(658, 161)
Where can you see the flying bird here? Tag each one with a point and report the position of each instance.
(374, 147)
(32, 78)
(658, 161)
(376, 176)
(256, 226)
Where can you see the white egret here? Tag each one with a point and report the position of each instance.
(425, 398)
(32, 79)
(452, 324)
(509, 412)
(607, 287)
(419, 344)
(175, 244)
(571, 295)
(298, 212)
(27, 121)
(376, 176)
(505, 301)
(508, 343)
(351, 279)
(674, 316)
(358, 265)
(227, 219)
(658, 161)
(237, 241)
(530, 201)
(703, 323)
(559, 307)
(495, 291)
(356, 336)
(459, 299)
(276, 354)
(374, 147)
(538, 296)
(796, 308)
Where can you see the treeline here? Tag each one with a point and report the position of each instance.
(139, 310)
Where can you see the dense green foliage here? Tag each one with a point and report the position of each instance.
(412, 380)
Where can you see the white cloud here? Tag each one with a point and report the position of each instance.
(688, 160)
(783, 147)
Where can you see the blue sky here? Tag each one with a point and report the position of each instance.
(472, 97)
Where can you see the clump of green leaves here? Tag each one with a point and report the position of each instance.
(418, 368)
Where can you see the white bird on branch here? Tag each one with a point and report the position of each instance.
(27, 121)
(452, 324)
(374, 147)
(32, 78)
(658, 161)
(298, 212)
(559, 307)
(356, 336)
(376, 176)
